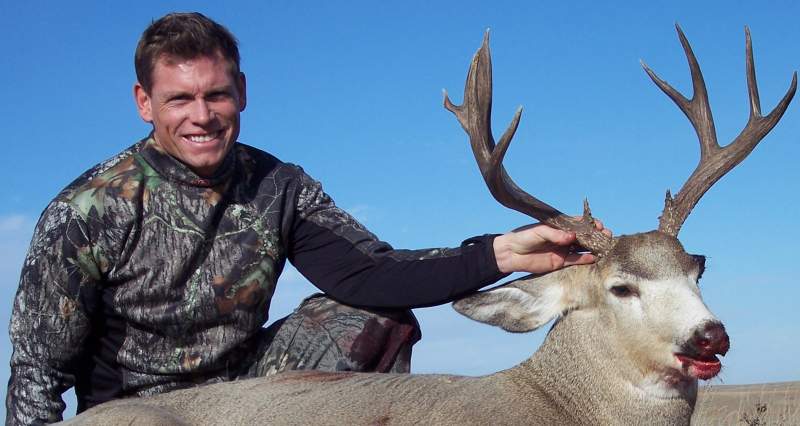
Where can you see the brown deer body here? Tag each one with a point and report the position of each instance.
(631, 339)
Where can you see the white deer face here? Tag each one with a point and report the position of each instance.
(643, 295)
(651, 304)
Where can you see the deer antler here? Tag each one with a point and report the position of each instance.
(475, 117)
(715, 161)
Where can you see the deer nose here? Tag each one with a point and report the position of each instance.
(711, 339)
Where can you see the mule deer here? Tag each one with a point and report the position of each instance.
(631, 339)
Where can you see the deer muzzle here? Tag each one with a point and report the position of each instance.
(699, 356)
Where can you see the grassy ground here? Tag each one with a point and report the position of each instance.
(751, 405)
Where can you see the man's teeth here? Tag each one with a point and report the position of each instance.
(202, 138)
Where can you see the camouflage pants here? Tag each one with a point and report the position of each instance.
(322, 334)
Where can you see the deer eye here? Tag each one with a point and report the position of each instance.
(624, 291)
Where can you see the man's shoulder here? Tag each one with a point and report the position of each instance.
(260, 162)
(122, 164)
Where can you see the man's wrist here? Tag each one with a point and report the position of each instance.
(502, 253)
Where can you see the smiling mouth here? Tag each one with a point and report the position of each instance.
(703, 368)
(202, 138)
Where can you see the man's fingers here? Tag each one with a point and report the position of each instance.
(579, 259)
(600, 227)
(555, 236)
(598, 224)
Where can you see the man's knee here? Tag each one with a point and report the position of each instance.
(326, 335)
(370, 339)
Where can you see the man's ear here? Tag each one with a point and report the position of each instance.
(241, 85)
(143, 102)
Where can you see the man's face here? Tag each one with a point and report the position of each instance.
(194, 106)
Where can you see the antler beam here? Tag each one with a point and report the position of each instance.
(475, 117)
(715, 161)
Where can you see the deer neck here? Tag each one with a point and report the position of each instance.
(583, 372)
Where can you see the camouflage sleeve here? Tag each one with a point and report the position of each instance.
(350, 264)
(48, 323)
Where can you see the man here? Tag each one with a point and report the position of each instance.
(154, 270)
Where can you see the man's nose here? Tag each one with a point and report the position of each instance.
(200, 113)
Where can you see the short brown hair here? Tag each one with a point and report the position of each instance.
(185, 36)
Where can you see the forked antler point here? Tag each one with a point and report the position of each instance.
(715, 161)
(474, 114)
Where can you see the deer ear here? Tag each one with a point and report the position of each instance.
(519, 306)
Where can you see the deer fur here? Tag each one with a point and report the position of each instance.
(590, 369)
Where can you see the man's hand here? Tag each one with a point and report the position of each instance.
(539, 249)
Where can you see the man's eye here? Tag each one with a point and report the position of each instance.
(178, 99)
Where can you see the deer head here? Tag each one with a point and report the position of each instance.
(643, 292)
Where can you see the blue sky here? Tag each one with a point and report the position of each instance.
(352, 92)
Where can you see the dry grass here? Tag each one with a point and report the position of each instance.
(752, 405)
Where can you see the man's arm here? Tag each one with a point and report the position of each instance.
(350, 264)
(48, 324)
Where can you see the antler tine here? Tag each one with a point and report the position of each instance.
(697, 109)
(715, 161)
(475, 117)
(750, 70)
(757, 124)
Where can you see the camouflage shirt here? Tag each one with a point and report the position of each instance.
(145, 273)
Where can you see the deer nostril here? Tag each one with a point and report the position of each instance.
(712, 339)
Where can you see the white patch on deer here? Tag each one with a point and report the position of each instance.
(666, 387)
(680, 295)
